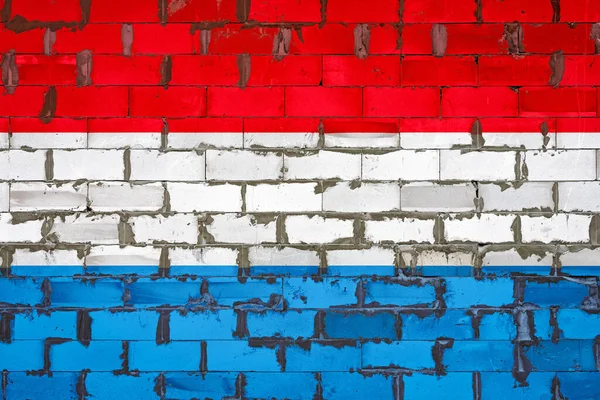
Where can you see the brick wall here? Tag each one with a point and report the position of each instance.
(299, 199)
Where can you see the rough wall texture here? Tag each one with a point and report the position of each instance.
(299, 199)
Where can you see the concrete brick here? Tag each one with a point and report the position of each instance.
(22, 165)
(477, 165)
(15, 231)
(4, 197)
(524, 197)
(61, 385)
(122, 196)
(287, 256)
(432, 197)
(439, 259)
(557, 228)
(567, 165)
(38, 196)
(189, 141)
(81, 228)
(113, 257)
(483, 228)
(322, 358)
(43, 262)
(322, 165)
(362, 140)
(578, 258)
(410, 355)
(293, 324)
(174, 356)
(401, 165)
(375, 256)
(203, 325)
(519, 140)
(49, 140)
(242, 165)
(366, 197)
(400, 230)
(122, 140)
(434, 140)
(179, 228)
(106, 385)
(578, 140)
(316, 229)
(124, 325)
(512, 258)
(374, 387)
(152, 165)
(579, 196)
(98, 356)
(300, 140)
(231, 228)
(202, 256)
(88, 165)
(204, 197)
(62, 324)
(285, 197)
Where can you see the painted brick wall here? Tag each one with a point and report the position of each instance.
(300, 199)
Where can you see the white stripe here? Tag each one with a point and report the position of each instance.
(372, 256)
(287, 256)
(49, 140)
(118, 256)
(513, 258)
(203, 256)
(366, 140)
(45, 257)
(582, 258)
(448, 140)
(181, 140)
(295, 140)
(441, 259)
(3, 140)
(119, 140)
(578, 140)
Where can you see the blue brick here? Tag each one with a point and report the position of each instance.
(505, 271)
(292, 386)
(121, 325)
(141, 270)
(360, 270)
(26, 291)
(237, 355)
(578, 324)
(291, 323)
(394, 293)
(580, 271)
(541, 320)
(107, 386)
(580, 385)
(479, 356)
(404, 354)
(227, 291)
(98, 356)
(454, 324)
(566, 355)
(46, 270)
(495, 384)
(102, 293)
(306, 293)
(30, 387)
(173, 356)
(355, 325)
(146, 292)
(452, 386)
(446, 271)
(195, 386)
(62, 324)
(203, 325)
(563, 293)
(467, 292)
(204, 270)
(12, 355)
(320, 357)
(346, 386)
(497, 326)
(284, 270)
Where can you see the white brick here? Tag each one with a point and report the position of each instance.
(508, 197)
(3, 140)
(371, 140)
(231, 228)
(179, 228)
(80, 228)
(13, 231)
(51, 258)
(578, 140)
(567, 165)
(88, 164)
(22, 165)
(116, 255)
(402, 164)
(46, 140)
(123, 196)
(322, 165)
(281, 140)
(315, 229)
(477, 165)
(368, 197)
(241, 165)
(38, 196)
(579, 196)
(287, 256)
(153, 165)
(366, 257)
(484, 228)
(519, 140)
(121, 140)
(433, 258)
(558, 228)
(580, 258)
(427, 196)
(222, 140)
(203, 256)
(434, 140)
(204, 197)
(290, 197)
(513, 258)
(4, 197)
(401, 230)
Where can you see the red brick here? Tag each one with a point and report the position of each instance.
(121, 70)
(56, 125)
(205, 125)
(281, 125)
(201, 10)
(581, 71)
(125, 125)
(479, 102)
(578, 125)
(476, 39)
(26, 101)
(514, 71)
(285, 11)
(517, 10)
(25, 42)
(385, 39)
(559, 102)
(204, 70)
(234, 39)
(517, 125)
(46, 70)
(547, 38)
(579, 11)
(124, 11)
(109, 101)
(438, 71)
(436, 11)
(169, 39)
(99, 39)
(360, 11)
(3, 121)
(416, 39)
(292, 70)
(352, 71)
(172, 102)
(330, 39)
(436, 124)
(250, 102)
(323, 102)
(47, 10)
(401, 102)
(360, 125)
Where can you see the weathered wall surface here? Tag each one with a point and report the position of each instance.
(299, 199)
